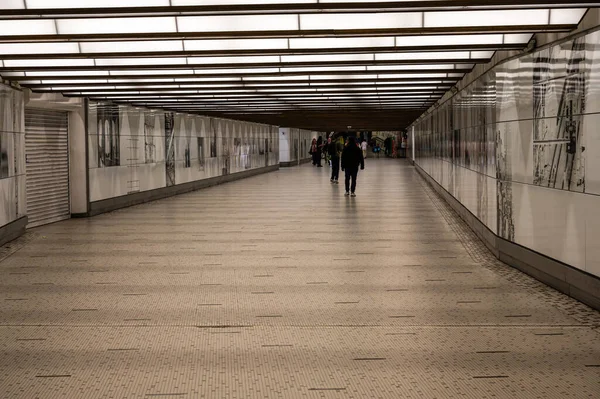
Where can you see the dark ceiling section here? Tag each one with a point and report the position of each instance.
(322, 65)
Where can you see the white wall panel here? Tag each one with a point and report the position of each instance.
(534, 135)
(140, 160)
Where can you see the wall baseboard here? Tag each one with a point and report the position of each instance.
(565, 278)
(13, 230)
(294, 163)
(111, 204)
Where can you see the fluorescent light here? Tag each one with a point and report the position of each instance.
(447, 40)
(153, 72)
(27, 27)
(327, 58)
(47, 62)
(417, 75)
(323, 69)
(455, 19)
(235, 44)
(482, 54)
(341, 42)
(68, 73)
(237, 23)
(566, 15)
(442, 55)
(140, 61)
(233, 60)
(517, 38)
(94, 3)
(329, 21)
(235, 71)
(12, 4)
(131, 46)
(92, 26)
(38, 48)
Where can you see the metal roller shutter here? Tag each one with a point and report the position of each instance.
(47, 159)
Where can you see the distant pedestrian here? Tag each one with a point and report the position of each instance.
(319, 151)
(363, 147)
(352, 158)
(314, 152)
(334, 149)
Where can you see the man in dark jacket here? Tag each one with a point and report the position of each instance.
(334, 149)
(352, 157)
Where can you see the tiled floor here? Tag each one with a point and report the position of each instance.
(278, 286)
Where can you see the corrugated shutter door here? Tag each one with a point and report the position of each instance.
(47, 155)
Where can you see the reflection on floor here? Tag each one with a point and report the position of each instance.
(278, 286)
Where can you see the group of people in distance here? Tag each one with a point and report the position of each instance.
(350, 153)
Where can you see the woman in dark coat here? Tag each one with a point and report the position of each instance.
(314, 152)
(319, 151)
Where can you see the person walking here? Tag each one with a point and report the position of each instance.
(334, 149)
(363, 147)
(352, 158)
(314, 152)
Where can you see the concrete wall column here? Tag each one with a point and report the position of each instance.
(78, 162)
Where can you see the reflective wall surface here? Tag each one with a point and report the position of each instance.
(520, 148)
(12, 156)
(295, 143)
(137, 149)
